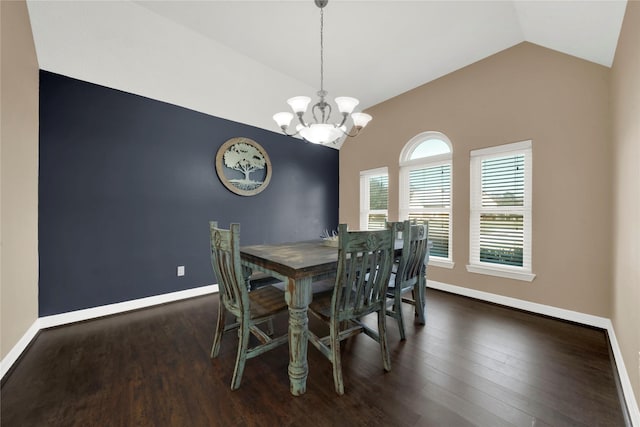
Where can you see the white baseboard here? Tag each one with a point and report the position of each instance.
(559, 313)
(93, 313)
(627, 390)
(13, 355)
(121, 307)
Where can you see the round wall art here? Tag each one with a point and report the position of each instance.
(243, 166)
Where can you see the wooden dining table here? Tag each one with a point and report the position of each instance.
(297, 264)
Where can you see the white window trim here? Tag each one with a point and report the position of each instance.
(419, 139)
(475, 266)
(504, 271)
(441, 262)
(364, 195)
(406, 166)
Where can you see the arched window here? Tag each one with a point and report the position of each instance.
(425, 190)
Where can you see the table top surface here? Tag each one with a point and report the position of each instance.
(295, 259)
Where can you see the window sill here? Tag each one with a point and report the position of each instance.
(500, 272)
(441, 263)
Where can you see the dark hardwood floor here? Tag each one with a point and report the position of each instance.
(473, 364)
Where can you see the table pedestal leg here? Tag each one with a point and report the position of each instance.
(298, 296)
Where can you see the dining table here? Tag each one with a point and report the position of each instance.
(298, 265)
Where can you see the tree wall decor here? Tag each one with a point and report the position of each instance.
(243, 166)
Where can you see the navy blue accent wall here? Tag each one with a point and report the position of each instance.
(128, 184)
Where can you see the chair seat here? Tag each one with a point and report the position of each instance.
(322, 287)
(392, 286)
(322, 305)
(266, 301)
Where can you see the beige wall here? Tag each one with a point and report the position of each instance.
(525, 92)
(626, 184)
(19, 176)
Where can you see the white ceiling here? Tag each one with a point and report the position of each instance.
(241, 60)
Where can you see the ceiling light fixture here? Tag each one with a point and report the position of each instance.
(320, 131)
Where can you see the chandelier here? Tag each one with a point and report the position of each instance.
(321, 131)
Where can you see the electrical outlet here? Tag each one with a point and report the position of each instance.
(180, 270)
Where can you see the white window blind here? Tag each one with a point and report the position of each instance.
(374, 199)
(430, 200)
(426, 190)
(500, 217)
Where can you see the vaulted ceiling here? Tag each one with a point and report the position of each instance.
(241, 60)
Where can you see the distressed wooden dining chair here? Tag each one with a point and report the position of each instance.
(250, 309)
(408, 274)
(362, 277)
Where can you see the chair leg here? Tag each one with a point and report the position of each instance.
(414, 297)
(397, 308)
(419, 298)
(336, 360)
(270, 329)
(241, 357)
(384, 347)
(217, 338)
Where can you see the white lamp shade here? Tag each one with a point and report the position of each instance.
(361, 119)
(283, 119)
(346, 104)
(299, 104)
(320, 133)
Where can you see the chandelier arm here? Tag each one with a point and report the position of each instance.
(328, 113)
(313, 112)
(351, 134)
(284, 131)
(345, 116)
(301, 120)
(322, 107)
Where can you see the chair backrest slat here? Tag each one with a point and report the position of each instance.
(364, 268)
(225, 259)
(414, 252)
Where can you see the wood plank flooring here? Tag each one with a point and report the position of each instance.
(473, 364)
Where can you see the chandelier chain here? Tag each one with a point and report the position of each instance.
(322, 49)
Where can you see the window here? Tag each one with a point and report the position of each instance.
(500, 220)
(425, 190)
(374, 197)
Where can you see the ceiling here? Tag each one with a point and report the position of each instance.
(241, 60)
